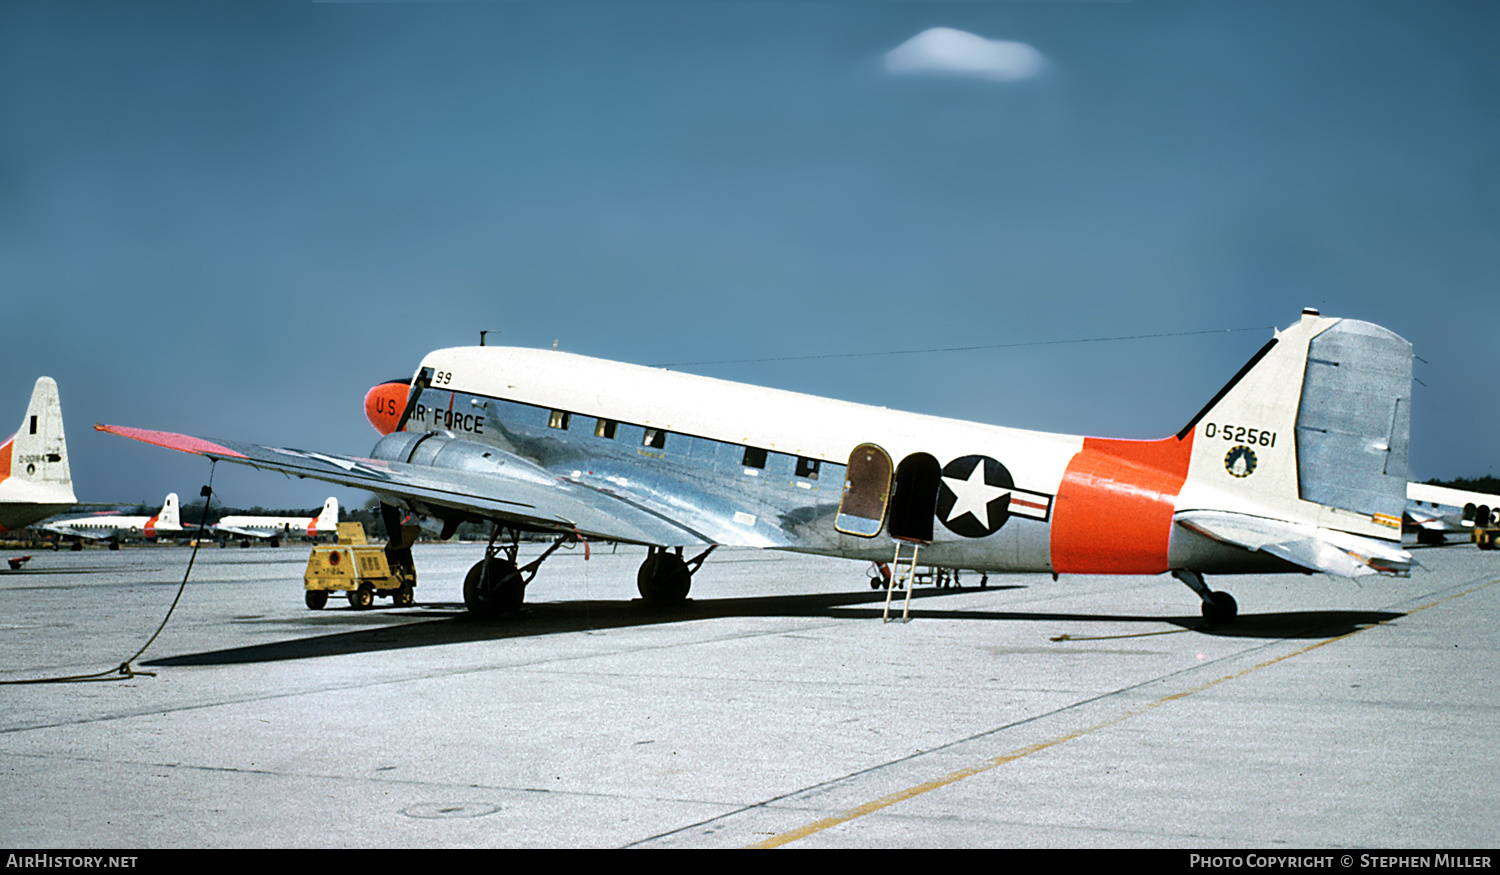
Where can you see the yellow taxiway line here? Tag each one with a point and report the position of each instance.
(884, 802)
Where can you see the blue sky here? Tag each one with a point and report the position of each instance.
(232, 219)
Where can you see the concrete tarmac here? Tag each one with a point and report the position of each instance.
(774, 708)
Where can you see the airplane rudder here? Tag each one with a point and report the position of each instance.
(1354, 420)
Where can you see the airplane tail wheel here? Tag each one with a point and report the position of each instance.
(663, 579)
(493, 592)
(1220, 608)
(316, 599)
(362, 598)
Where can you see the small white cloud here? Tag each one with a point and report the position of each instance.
(943, 51)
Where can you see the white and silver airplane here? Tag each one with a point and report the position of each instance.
(1298, 464)
(114, 528)
(34, 479)
(1436, 511)
(275, 528)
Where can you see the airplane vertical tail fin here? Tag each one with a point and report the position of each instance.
(169, 517)
(1308, 443)
(37, 454)
(328, 520)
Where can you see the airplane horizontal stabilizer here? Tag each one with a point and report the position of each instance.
(1311, 547)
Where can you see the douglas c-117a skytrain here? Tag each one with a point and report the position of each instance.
(1298, 464)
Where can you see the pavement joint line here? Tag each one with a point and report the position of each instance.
(954, 777)
(539, 665)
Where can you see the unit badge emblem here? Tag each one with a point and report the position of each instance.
(1240, 462)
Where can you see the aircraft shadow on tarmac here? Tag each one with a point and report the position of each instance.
(450, 623)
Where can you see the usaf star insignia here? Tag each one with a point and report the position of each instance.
(977, 496)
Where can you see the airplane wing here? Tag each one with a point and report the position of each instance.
(237, 531)
(1311, 547)
(506, 488)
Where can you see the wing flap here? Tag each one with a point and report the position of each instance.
(1311, 547)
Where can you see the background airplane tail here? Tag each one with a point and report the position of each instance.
(1308, 444)
(328, 520)
(35, 459)
(169, 516)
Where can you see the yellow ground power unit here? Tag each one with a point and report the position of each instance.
(361, 569)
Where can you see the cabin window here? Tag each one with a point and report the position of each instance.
(655, 438)
(559, 419)
(605, 428)
(807, 468)
(754, 458)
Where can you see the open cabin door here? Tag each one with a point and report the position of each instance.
(914, 500)
(867, 492)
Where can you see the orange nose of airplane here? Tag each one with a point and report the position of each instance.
(384, 403)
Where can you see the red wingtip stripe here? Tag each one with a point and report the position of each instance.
(180, 442)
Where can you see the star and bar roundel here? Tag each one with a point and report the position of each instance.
(977, 495)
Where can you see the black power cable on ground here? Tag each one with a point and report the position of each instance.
(125, 670)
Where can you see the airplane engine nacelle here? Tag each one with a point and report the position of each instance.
(441, 451)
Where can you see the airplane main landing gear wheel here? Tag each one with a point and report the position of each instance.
(664, 579)
(1220, 609)
(493, 587)
(316, 598)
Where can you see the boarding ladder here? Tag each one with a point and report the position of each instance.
(903, 573)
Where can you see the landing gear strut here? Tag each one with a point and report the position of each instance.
(496, 585)
(665, 578)
(1219, 608)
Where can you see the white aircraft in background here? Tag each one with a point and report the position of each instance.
(34, 479)
(115, 528)
(1298, 464)
(1435, 511)
(276, 527)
